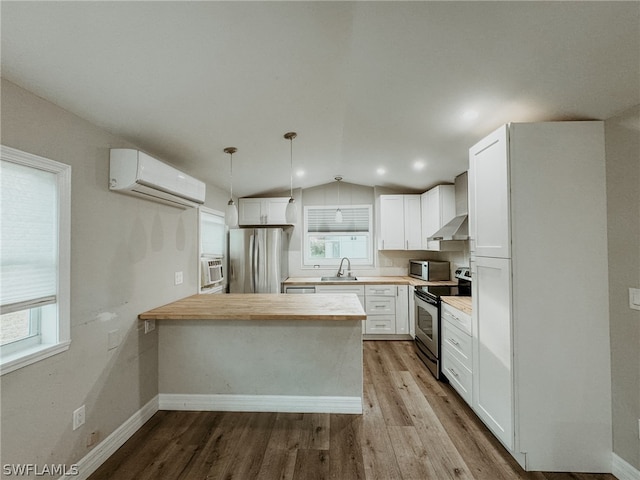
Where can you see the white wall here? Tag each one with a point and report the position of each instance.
(124, 252)
(622, 143)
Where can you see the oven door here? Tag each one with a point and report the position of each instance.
(427, 334)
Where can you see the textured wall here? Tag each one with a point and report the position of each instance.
(124, 252)
(622, 138)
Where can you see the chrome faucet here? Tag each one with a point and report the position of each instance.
(339, 274)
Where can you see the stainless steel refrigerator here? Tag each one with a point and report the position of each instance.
(258, 260)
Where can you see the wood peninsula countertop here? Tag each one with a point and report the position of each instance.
(461, 303)
(395, 280)
(262, 306)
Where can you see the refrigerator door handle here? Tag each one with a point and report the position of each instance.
(253, 260)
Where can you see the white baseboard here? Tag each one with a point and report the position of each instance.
(101, 452)
(260, 403)
(623, 470)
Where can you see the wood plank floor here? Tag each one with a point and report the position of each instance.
(413, 427)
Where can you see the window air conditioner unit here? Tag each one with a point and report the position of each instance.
(135, 173)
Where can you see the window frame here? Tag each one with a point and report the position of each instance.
(57, 339)
(310, 263)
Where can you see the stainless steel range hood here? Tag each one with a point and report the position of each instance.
(458, 227)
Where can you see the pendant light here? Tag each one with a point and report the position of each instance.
(231, 212)
(291, 213)
(338, 217)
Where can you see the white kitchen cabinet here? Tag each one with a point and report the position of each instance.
(380, 307)
(400, 222)
(262, 211)
(489, 162)
(457, 351)
(402, 309)
(493, 352)
(438, 207)
(541, 369)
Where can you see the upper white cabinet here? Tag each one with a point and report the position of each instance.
(438, 207)
(489, 165)
(400, 222)
(262, 211)
(540, 321)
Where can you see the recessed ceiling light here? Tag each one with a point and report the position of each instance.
(300, 173)
(418, 165)
(381, 171)
(470, 115)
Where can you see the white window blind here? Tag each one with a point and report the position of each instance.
(28, 238)
(327, 240)
(323, 219)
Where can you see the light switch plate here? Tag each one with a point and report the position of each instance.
(178, 278)
(634, 298)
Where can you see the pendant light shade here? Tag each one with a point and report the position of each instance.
(338, 216)
(291, 213)
(231, 211)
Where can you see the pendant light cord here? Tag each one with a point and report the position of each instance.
(291, 169)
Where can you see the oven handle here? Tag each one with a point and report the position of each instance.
(425, 301)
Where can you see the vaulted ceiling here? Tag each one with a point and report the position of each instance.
(367, 85)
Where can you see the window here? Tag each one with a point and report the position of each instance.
(326, 240)
(34, 258)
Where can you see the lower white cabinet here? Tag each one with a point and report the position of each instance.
(457, 351)
(493, 350)
(386, 306)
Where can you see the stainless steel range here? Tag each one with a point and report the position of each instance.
(428, 320)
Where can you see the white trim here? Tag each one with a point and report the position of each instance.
(96, 457)
(623, 470)
(260, 403)
(63, 297)
(25, 357)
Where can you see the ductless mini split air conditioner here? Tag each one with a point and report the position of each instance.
(135, 173)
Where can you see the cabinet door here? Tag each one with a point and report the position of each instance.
(412, 222)
(391, 222)
(492, 346)
(489, 162)
(250, 211)
(275, 209)
(402, 309)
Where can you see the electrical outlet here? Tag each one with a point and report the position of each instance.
(634, 298)
(113, 339)
(78, 417)
(93, 438)
(178, 278)
(149, 326)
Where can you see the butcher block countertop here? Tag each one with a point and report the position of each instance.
(262, 306)
(461, 303)
(399, 280)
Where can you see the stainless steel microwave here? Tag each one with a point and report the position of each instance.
(429, 270)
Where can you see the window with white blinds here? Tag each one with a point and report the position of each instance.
(34, 258)
(333, 232)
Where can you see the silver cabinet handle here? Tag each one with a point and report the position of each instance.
(453, 342)
(453, 372)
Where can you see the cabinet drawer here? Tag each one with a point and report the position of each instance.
(459, 376)
(457, 342)
(357, 289)
(456, 317)
(380, 324)
(387, 290)
(378, 305)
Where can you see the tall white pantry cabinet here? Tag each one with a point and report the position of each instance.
(540, 293)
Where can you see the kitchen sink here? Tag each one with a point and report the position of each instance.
(338, 279)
